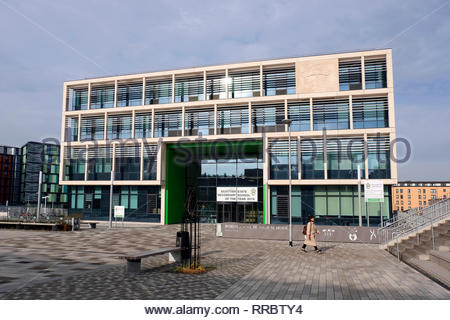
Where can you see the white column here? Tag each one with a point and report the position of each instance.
(215, 119)
(79, 127)
(143, 90)
(183, 115)
(86, 163)
(173, 88)
(311, 114)
(133, 121)
(142, 162)
(153, 123)
(204, 86)
(89, 96)
(261, 82)
(105, 129)
(226, 83)
(250, 128)
(366, 158)
(286, 114)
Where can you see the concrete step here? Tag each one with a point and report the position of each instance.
(432, 270)
(441, 258)
(444, 248)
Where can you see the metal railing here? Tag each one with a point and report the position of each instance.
(412, 222)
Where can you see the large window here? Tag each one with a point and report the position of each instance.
(299, 113)
(74, 163)
(331, 114)
(168, 124)
(279, 81)
(232, 120)
(343, 157)
(189, 89)
(150, 161)
(279, 159)
(119, 126)
(370, 112)
(312, 159)
(215, 86)
(127, 166)
(99, 163)
(102, 97)
(129, 94)
(199, 122)
(92, 128)
(158, 91)
(379, 157)
(71, 129)
(78, 99)
(330, 205)
(143, 125)
(267, 118)
(375, 73)
(350, 77)
(244, 84)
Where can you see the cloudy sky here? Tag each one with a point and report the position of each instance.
(47, 42)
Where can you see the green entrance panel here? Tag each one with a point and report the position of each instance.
(178, 156)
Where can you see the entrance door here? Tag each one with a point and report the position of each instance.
(246, 212)
(225, 212)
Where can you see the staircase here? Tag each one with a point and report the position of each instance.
(422, 240)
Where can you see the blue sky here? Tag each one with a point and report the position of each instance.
(45, 43)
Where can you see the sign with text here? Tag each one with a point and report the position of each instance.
(373, 191)
(237, 194)
(119, 212)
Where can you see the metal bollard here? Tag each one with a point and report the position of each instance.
(73, 224)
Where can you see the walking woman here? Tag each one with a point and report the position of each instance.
(310, 237)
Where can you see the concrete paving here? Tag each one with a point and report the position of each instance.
(84, 265)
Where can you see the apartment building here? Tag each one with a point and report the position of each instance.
(418, 194)
(10, 159)
(219, 130)
(37, 156)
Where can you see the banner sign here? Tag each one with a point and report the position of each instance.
(119, 212)
(373, 191)
(237, 194)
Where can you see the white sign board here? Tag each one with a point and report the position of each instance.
(373, 191)
(237, 194)
(119, 212)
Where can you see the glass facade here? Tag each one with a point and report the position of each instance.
(199, 122)
(99, 163)
(119, 126)
(279, 81)
(78, 99)
(370, 112)
(330, 205)
(74, 164)
(168, 124)
(332, 114)
(312, 159)
(232, 120)
(379, 157)
(267, 118)
(343, 157)
(235, 168)
(300, 114)
(189, 89)
(92, 128)
(127, 163)
(279, 159)
(158, 91)
(143, 125)
(129, 94)
(350, 77)
(244, 84)
(375, 73)
(142, 203)
(216, 86)
(102, 97)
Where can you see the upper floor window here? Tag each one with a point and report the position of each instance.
(244, 84)
(331, 114)
(299, 113)
(279, 81)
(199, 122)
(167, 124)
(129, 94)
(232, 120)
(158, 91)
(370, 112)
(143, 125)
(102, 97)
(92, 128)
(216, 86)
(375, 73)
(189, 89)
(78, 99)
(379, 157)
(267, 118)
(119, 126)
(350, 77)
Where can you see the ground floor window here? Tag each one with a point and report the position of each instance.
(331, 205)
(142, 203)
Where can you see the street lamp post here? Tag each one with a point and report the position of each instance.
(111, 199)
(288, 123)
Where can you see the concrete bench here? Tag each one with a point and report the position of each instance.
(93, 225)
(134, 260)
